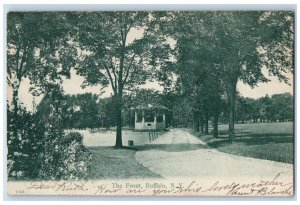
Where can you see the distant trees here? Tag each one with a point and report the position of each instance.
(81, 111)
(247, 109)
(85, 114)
(278, 107)
(88, 110)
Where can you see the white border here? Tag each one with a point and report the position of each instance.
(157, 5)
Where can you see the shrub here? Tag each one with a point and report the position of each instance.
(75, 159)
(24, 134)
(72, 136)
(39, 149)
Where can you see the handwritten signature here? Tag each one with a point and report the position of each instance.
(59, 186)
(275, 186)
(261, 188)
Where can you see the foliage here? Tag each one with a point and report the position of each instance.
(278, 107)
(109, 57)
(231, 45)
(23, 160)
(282, 107)
(78, 111)
(75, 159)
(42, 150)
(38, 48)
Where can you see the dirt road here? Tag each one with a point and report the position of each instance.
(179, 154)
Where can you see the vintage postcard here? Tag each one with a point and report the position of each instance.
(150, 103)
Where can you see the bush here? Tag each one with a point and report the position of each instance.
(75, 159)
(72, 136)
(24, 136)
(39, 149)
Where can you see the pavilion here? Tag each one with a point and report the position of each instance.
(150, 117)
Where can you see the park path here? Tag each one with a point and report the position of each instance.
(179, 154)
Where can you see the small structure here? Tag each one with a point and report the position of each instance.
(150, 117)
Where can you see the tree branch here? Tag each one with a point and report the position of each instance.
(9, 72)
(122, 36)
(114, 71)
(128, 68)
(110, 79)
(129, 27)
(17, 61)
(8, 80)
(19, 74)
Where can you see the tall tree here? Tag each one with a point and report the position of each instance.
(247, 42)
(38, 48)
(198, 65)
(238, 43)
(115, 51)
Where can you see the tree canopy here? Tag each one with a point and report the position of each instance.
(233, 45)
(198, 55)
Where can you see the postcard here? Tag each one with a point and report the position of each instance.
(150, 103)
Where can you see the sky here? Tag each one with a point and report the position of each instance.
(73, 85)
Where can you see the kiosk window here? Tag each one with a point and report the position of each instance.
(139, 116)
(149, 116)
(159, 118)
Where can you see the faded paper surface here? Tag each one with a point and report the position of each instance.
(178, 159)
(279, 185)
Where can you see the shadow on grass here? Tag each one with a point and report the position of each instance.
(115, 163)
(268, 135)
(254, 139)
(111, 148)
(172, 147)
(275, 147)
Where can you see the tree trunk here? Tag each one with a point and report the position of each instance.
(119, 122)
(197, 126)
(216, 121)
(232, 95)
(15, 111)
(206, 124)
(201, 124)
(196, 121)
(120, 96)
(15, 101)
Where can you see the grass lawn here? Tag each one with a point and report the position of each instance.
(107, 138)
(111, 163)
(271, 141)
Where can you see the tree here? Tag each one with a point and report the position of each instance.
(38, 49)
(282, 107)
(78, 111)
(265, 105)
(245, 46)
(197, 66)
(109, 57)
(236, 42)
(240, 44)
